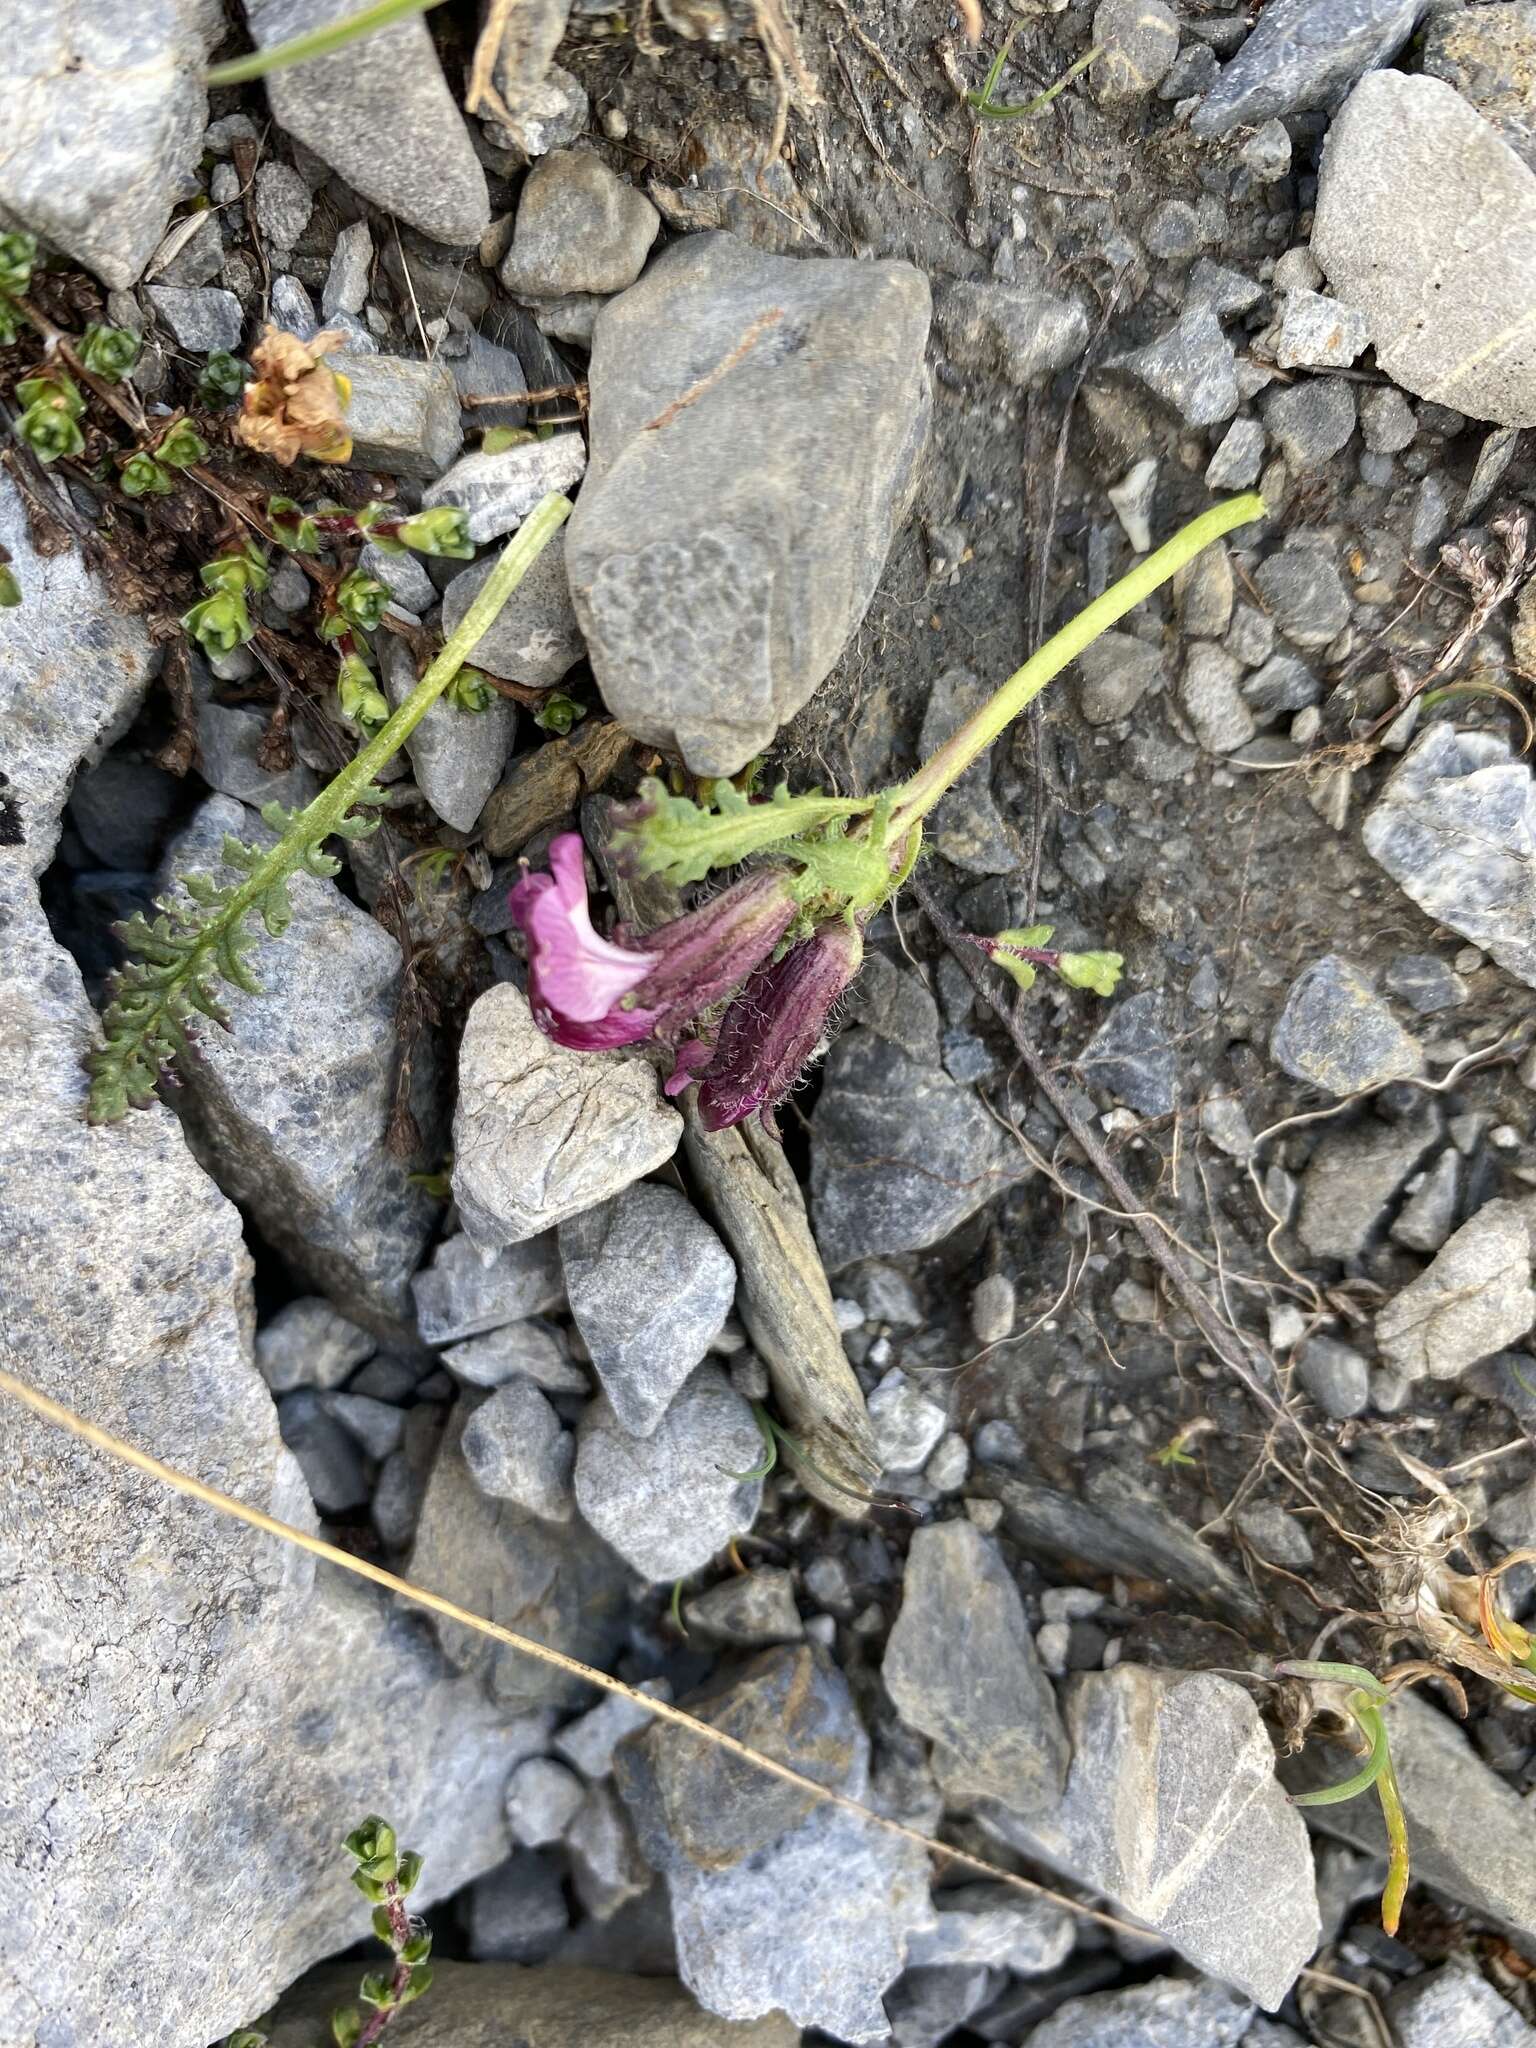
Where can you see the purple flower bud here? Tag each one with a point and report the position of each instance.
(588, 992)
(773, 1027)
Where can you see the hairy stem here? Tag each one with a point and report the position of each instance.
(400, 1934)
(916, 797)
(318, 43)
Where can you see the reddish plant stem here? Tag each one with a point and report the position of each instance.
(400, 1930)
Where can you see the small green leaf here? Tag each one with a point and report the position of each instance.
(469, 691)
(374, 1990)
(346, 2026)
(220, 622)
(359, 695)
(495, 440)
(294, 527)
(10, 589)
(144, 477)
(361, 599)
(420, 1980)
(383, 1926)
(108, 352)
(221, 378)
(1097, 971)
(409, 1870)
(183, 446)
(50, 429)
(441, 530)
(417, 1949)
(18, 253)
(558, 713)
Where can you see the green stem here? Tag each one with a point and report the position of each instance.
(916, 797)
(989, 109)
(318, 43)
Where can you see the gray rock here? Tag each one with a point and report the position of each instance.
(551, 115)
(649, 1284)
(1407, 164)
(1212, 701)
(1140, 39)
(485, 370)
(719, 564)
(1223, 290)
(1305, 55)
(1239, 457)
(743, 1851)
(377, 1425)
(199, 318)
(1173, 231)
(291, 1103)
(535, 638)
(1115, 673)
(1456, 2007)
(1429, 1215)
(928, 2006)
(590, 1740)
(1131, 1055)
(530, 1351)
(227, 1655)
(405, 579)
(558, 2006)
(907, 1424)
(543, 1798)
(1169, 2012)
(403, 415)
(229, 739)
(1267, 153)
(668, 1503)
(516, 1450)
(346, 282)
(541, 1133)
(1354, 1176)
(1388, 422)
(1336, 1377)
(1316, 332)
(1172, 1807)
(1204, 590)
(1473, 1300)
(994, 1307)
(1192, 368)
(1338, 1034)
(334, 1468)
(979, 1694)
(997, 1926)
(748, 1611)
(380, 112)
(1305, 593)
(1454, 828)
(103, 120)
(1026, 336)
(1283, 683)
(293, 308)
(282, 204)
(900, 1154)
(554, 1582)
(402, 1484)
(1490, 57)
(966, 825)
(457, 756)
(1311, 420)
(309, 1344)
(1277, 1534)
(516, 1914)
(497, 492)
(121, 808)
(607, 1869)
(580, 228)
(464, 1292)
(1470, 1829)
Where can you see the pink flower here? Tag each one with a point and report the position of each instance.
(588, 992)
(771, 1029)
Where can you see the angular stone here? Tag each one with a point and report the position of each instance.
(1283, 683)
(1316, 332)
(463, 1292)
(1473, 1300)
(995, 1925)
(1456, 2007)
(542, 1133)
(1337, 1378)
(102, 111)
(308, 1344)
(1170, 2012)
(649, 1284)
(1455, 827)
(741, 1851)
(1238, 459)
(200, 319)
(900, 1154)
(749, 1610)
(1173, 1808)
(1192, 367)
(377, 1425)
(580, 228)
(719, 563)
(590, 1740)
(966, 825)
(976, 1689)
(229, 741)
(1140, 39)
(906, 1423)
(497, 2005)
(1406, 166)
(667, 1503)
(1304, 55)
(531, 1351)
(290, 1105)
(334, 1468)
(1337, 1033)
(517, 1914)
(457, 756)
(1311, 421)
(1428, 1217)
(1131, 1055)
(1304, 591)
(381, 113)
(1025, 335)
(1212, 701)
(543, 1798)
(403, 415)
(535, 638)
(1354, 1176)
(1115, 673)
(607, 1869)
(555, 1583)
(498, 491)
(516, 1450)
(346, 283)
(282, 204)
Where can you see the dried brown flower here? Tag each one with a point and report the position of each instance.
(297, 404)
